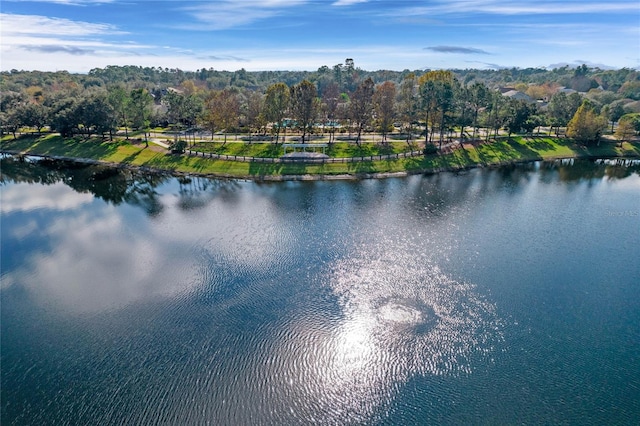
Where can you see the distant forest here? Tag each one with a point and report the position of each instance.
(624, 82)
(107, 99)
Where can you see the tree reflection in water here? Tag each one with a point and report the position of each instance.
(113, 185)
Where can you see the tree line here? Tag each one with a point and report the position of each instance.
(433, 105)
(624, 83)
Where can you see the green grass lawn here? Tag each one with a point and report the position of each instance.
(271, 150)
(516, 149)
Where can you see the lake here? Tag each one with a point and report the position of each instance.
(494, 296)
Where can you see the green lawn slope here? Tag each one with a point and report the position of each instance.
(502, 151)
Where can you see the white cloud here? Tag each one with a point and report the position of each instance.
(42, 25)
(498, 7)
(231, 13)
(59, 41)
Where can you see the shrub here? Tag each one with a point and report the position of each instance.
(430, 149)
(178, 147)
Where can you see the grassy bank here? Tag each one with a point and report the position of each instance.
(270, 150)
(516, 149)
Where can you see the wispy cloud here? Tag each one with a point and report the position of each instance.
(458, 49)
(69, 2)
(49, 48)
(578, 62)
(45, 35)
(226, 14)
(348, 2)
(223, 58)
(488, 65)
(501, 7)
(42, 25)
(301, 34)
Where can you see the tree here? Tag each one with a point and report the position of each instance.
(337, 75)
(192, 110)
(631, 89)
(120, 102)
(464, 109)
(428, 106)
(349, 75)
(10, 117)
(562, 108)
(478, 98)
(496, 113)
(304, 106)
(330, 100)
(407, 103)
(437, 95)
(519, 117)
(384, 99)
(182, 110)
(140, 106)
(175, 108)
(226, 108)
(535, 120)
(221, 111)
(586, 126)
(276, 103)
(634, 118)
(361, 106)
(446, 91)
(616, 111)
(94, 114)
(625, 130)
(32, 114)
(253, 111)
(64, 116)
(10, 122)
(209, 116)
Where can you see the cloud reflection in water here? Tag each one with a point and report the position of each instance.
(100, 259)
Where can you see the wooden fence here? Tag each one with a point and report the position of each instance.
(303, 160)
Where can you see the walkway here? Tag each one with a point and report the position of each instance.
(159, 142)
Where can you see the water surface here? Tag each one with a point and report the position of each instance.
(495, 296)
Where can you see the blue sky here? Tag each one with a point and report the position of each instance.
(78, 35)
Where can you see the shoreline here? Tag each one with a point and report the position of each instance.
(305, 177)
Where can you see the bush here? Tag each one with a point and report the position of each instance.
(178, 147)
(430, 149)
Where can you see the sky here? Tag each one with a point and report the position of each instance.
(79, 35)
